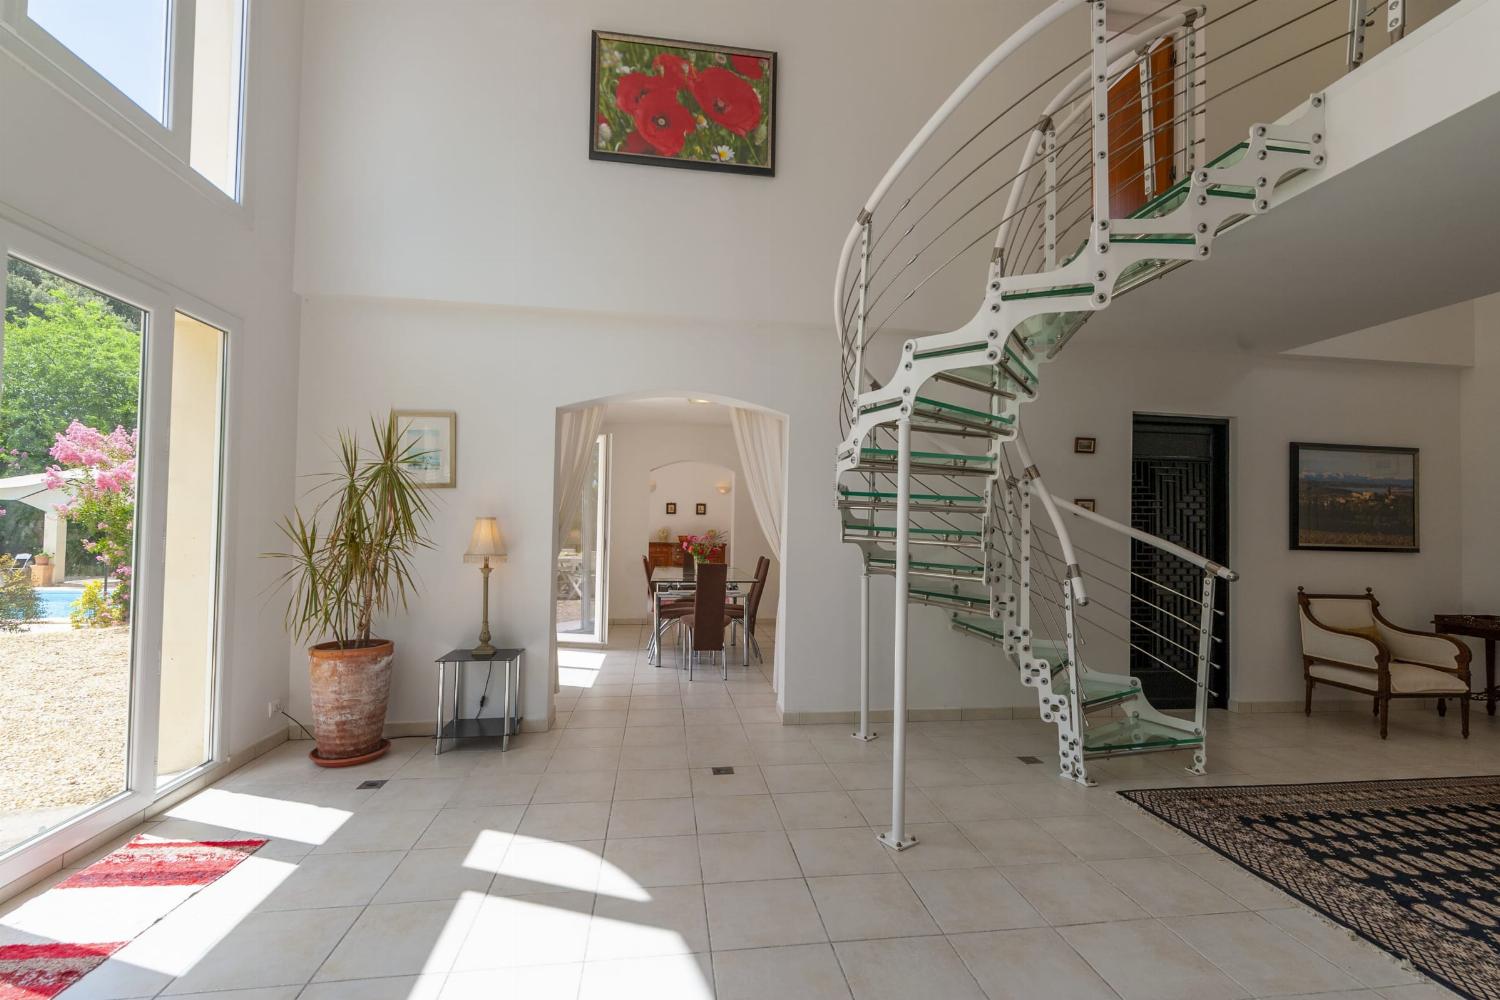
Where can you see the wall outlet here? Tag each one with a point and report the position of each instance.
(273, 709)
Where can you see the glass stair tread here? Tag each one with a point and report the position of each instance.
(933, 455)
(979, 600)
(967, 499)
(1098, 689)
(890, 529)
(1136, 734)
(973, 568)
(988, 627)
(946, 407)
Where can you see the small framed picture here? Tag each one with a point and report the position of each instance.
(671, 508)
(429, 439)
(1087, 503)
(1084, 446)
(701, 509)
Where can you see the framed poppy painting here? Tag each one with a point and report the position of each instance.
(682, 104)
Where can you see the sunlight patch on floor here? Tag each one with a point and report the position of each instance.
(262, 815)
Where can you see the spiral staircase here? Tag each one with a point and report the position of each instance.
(1107, 187)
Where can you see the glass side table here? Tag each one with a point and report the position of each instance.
(450, 733)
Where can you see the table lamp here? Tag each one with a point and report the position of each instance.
(485, 544)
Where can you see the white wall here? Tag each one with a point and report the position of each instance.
(1480, 444)
(71, 174)
(640, 447)
(686, 484)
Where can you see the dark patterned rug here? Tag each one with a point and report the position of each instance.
(1412, 866)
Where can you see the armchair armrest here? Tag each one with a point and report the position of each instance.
(1322, 643)
(1430, 649)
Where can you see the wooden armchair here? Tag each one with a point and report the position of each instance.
(1347, 643)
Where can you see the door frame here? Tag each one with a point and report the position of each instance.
(1221, 531)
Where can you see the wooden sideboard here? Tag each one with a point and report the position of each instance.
(664, 554)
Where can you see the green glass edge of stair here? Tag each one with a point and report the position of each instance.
(892, 452)
(967, 411)
(918, 564)
(962, 499)
(890, 528)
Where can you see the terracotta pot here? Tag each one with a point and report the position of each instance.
(350, 690)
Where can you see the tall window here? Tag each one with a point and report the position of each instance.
(582, 562)
(172, 68)
(69, 411)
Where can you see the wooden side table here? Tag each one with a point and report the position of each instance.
(1486, 627)
(449, 733)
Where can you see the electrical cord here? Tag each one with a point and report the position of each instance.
(301, 727)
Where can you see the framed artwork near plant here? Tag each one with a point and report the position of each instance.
(1353, 497)
(682, 104)
(671, 508)
(429, 439)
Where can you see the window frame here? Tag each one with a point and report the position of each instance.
(170, 141)
(161, 303)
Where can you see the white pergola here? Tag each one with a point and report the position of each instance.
(32, 490)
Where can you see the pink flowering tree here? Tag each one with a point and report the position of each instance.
(101, 500)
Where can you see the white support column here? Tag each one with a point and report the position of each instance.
(864, 657)
(897, 837)
(1205, 672)
(1049, 148)
(55, 541)
(1099, 67)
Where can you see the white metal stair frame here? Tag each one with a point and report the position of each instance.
(1026, 316)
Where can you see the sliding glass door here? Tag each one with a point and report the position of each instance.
(583, 559)
(111, 417)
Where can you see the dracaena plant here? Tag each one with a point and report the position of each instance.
(350, 557)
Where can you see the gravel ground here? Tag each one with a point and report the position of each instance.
(64, 702)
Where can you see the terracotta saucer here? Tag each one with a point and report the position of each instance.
(363, 758)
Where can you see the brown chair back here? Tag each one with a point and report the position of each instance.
(646, 562)
(708, 607)
(752, 602)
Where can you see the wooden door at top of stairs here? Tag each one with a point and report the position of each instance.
(1179, 491)
(1133, 109)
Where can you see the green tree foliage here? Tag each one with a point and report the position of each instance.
(70, 354)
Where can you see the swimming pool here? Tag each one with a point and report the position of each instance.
(57, 602)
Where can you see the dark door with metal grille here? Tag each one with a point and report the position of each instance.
(1179, 491)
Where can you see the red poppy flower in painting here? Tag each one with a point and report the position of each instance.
(673, 68)
(663, 122)
(635, 87)
(752, 67)
(635, 144)
(727, 99)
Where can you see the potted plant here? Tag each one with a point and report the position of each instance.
(350, 561)
(44, 559)
(706, 547)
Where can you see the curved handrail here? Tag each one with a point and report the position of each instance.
(1186, 555)
(970, 83)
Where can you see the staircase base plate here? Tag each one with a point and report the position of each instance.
(897, 844)
(864, 737)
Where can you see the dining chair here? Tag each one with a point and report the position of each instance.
(672, 611)
(744, 615)
(705, 625)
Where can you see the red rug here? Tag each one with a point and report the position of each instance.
(40, 971)
(144, 862)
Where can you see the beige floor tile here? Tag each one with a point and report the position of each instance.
(439, 874)
(1028, 964)
(903, 969)
(463, 827)
(875, 805)
(1259, 956)
(545, 929)
(533, 866)
(397, 939)
(1362, 960)
(1143, 960)
(962, 900)
(941, 845)
(653, 758)
(538, 982)
(841, 851)
(575, 786)
(762, 914)
(681, 977)
(301, 940)
(746, 780)
(651, 818)
(1164, 888)
(1096, 837)
(577, 759)
(785, 752)
(669, 783)
(971, 803)
(378, 831)
(746, 857)
(428, 987)
(655, 736)
(1072, 894)
(566, 820)
(1247, 890)
(857, 907)
(485, 788)
(818, 810)
(649, 861)
(1014, 842)
(807, 972)
(670, 921)
(736, 814)
(334, 880)
(799, 778)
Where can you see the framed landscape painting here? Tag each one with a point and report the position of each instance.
(1354, 497)
(430, 438)
(682, 104)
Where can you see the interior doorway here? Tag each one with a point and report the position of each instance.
(1179, 491)
(583, 556)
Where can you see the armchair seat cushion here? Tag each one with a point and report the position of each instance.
(1406, 678)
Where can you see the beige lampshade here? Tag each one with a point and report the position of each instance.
(486, 542)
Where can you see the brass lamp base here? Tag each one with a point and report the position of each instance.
(485, 648)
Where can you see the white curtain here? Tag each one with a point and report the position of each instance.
(577, 437)
(761, 439)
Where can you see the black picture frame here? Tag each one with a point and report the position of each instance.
(657, 160)
(701, 510)
(671, 508)
(1085, 445)
(1380, 503)
(1087, 503)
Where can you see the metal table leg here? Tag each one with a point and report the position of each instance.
(437, 736)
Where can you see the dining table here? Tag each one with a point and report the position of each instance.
(668, 581)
